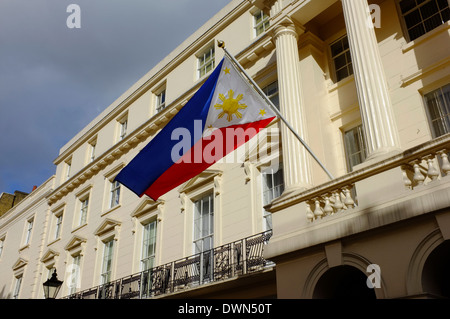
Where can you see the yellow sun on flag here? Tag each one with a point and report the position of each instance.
(230, 106)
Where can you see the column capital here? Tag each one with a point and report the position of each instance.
(287, 26)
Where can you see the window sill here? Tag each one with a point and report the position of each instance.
(24, 247)
(54, 241)
(110, 210)
(421, 73)
(424, 38)
(333, 87)
(79, 227)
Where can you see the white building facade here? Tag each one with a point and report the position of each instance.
(366, 85)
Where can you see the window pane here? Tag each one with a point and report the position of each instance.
(412, 19)
(416, 32)
(433, 22)
(262, 23)
(423, 16)
(355, 147)
(438, 105)
(342, 58)
(342, 74)
(107, 262)
(336, 48)
(340, 61)
(407, 5)
(203, 224)
(445, 15)
(428, 9)
(442, 4)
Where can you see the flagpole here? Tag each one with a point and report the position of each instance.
(221, 44)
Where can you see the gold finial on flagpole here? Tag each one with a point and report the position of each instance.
(221, 44)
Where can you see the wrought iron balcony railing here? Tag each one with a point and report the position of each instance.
(234, 259)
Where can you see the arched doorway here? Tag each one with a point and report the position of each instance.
(436, 272)
(343, 282)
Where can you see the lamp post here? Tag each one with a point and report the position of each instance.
(52, 286)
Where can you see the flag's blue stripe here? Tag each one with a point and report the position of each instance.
(156, 157)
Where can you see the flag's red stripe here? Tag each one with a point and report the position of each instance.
(201, 156)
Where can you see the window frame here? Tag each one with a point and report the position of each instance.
(406, 31)
(199, 236)
(108, 257)
(362, 141)
(17, 286)
(198, 233)
(275, 191)
(430, 120)
(346, 52)
(122, 127)
(274, 96)
(67, 169)
(114, 194)
(160, 100)
(206, 65)
(84, 208)
(149, 236)
(262, 26)
(75, 276)
(28, 231)
(92, 150)
(58, 216)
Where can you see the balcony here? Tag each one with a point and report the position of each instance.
(230, 261)
(397, 188)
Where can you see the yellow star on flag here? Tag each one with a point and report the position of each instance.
(262, 112)
(226, 70)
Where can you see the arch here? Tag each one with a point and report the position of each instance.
(418, 260)
(435, 274)
(353, 265)
(343, 282)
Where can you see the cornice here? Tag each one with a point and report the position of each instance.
(115, 152)
(260, 47)
(26, 205)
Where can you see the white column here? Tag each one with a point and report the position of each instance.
(376, 108)
(296, 160)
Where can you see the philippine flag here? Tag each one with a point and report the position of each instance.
(224, 114)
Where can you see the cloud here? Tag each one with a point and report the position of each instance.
(55, 80)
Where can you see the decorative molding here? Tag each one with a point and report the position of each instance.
(108, 226)
(421, 73)
(203, 178)
(261, 47)
(183, 199)
(19, 264)
(75, 242)
(49, 256)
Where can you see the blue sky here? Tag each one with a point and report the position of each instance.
(55, 80)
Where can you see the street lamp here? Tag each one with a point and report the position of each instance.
(52, 286)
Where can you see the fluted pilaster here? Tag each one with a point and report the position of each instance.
(296, 161)
(376, 108)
